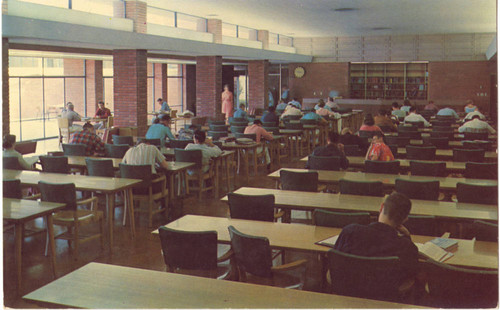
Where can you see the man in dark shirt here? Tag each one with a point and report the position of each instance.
(387, 237)
(271, 116)
(333, 148)
(348, 138)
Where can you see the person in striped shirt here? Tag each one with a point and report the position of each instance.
(145, 154)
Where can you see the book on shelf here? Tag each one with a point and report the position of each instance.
(432, 251)
(329, 242)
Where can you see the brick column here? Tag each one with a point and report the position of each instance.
(190, 79)
(134, 10)
(263, 36)
(130, 89)
(214, 26)
(228, 77)
(5, 87)
(161, 86)
(258, 72)
(208, 86)
(95, 85)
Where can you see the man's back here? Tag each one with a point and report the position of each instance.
(270, 117)
(207, 153)
(332, 150)
(71, 116)
(260, 132)
(159, 131)
(92, 141)
(144, 154)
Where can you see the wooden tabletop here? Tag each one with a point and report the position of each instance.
(79, 161)
(82, 182)
(103, 286)
(170, 152)
(301, 237)
(290, 131)
(309, 201)
(21, 210)
(449, 153)
(333, 177)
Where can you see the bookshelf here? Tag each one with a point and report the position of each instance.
(388, 81)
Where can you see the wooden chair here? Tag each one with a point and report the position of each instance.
(425, 225)
(367, 133)
(216, 135)
(442, 134)
(339, 219)
(78, 149)
(481, 230)
(476, 136)
(25, 147)
(155, 142)
(123, 140)
(397, 140)
(193, 251)
(110, 122)
(425, 168)
(179, 144)
(481, 145)
(421, 152)
(205, 181)
(455, 287)
(218, 127)
(375, 166)
(253, 257)
(55, 164)
(426, 190)
(331, 163)
(71, 217)
(237, 129)
(252, 207)
(410, 134)
(440, 143)
(481, 170)
(446, 128)
(149, 190)
(363, 188)
(290, 125)
(468, 155)
(64, 130)
(116, 150)
(471, 193)
(299, 181)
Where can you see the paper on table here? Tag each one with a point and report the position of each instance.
(329, 242)
(432, 251)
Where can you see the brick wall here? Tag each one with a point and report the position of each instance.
(190, 80)
(137, 11)
(5, 87)
(228, 77)
(208, 86)
(95, 85)
(130, 89)
(319, 80)
(258, 72)
(74, 88)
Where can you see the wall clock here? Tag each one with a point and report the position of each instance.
(299, 72)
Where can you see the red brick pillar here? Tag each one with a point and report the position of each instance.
(95, 85)
(214, 26)
(209, 86)
(258, 72)
(190, 79)
(5, 87)
(130, 89)
(134, 10)
(161, 86)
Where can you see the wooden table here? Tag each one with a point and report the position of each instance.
(489, 156)
(113, 287)
(274, 147)
(333, 177)
(309, 201)
(108, 186)
(293, 136)
(299, 237)
(18, 212)
(244, 151)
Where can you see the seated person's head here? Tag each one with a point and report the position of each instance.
(378, 137)
(257, 122)
(396, 209)
(382, 112)
(469, 102)
(369, 121)
(199, 136)
(271, 109)
(193, 127)
(395, 106)
(330, 99)
(9, 141)
(295, 99)
(333, 137)
(165, 119)
(88, 126)
(156, 120)
(242, 106)
(321, 103)
(413, 109)
(282, 101)
(101, 104)
(71, 107)
(160, 100)
(431, 102)
(407, 103)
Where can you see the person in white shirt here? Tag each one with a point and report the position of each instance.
(9, 142)
(296, 103)
(208, 149)
(290, 110)
(414, 117)
(145, 154)
(476, 125)
(72, 116)
(476, 112)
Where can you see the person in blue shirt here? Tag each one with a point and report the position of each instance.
(448, 112)
(295, 103)
(271, 98)
(284, 93)
(282, 105)
(270, 117)
(312, 115)
(317, 106)
(240, 113)
(164, 105)
(406, 106)
(161, 130)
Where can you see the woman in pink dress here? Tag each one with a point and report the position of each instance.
(227, 102)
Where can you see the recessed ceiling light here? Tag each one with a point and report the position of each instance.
(381, 28)
(344, 9)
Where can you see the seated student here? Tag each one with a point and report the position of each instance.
(332, 104)
(348, 138)
(317, 106)
(396, 111)
(72, 116)
(369, 124)
(260, 134)
(431, 107)
(295, 103)
(145, 154)
(164, 105)
(270, 117)
(282, 105)
(469, 106)
(290, 110)
(322, 111)
(187, 134)
(447, 111)
(161, 130)
(387, 237)
(469, 115)
(240, 113)
(414, 117)
(476, 125)
(271, 98)
(406, 106)
(378, 150)
(314, 116)
(208, 149)
(9, 143)
(333, 148)
(383, 119)
(87, 136)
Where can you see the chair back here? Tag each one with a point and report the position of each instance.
(366, 277)
(55, 153)
(446, 118)
(426, 168)
(397, 140)
(472, 193)
(123, 140)
(79, 149)
(442, 128)
(237, 129)
(216, 127)
(179, 144)
(362, 188)
(438, 142)
(12, 189)
(198, 126)
(141, 172)
(410, 134)
(116, 150)
(394, 149)
(111, 121)
(442, 134)
(426, 190)
(189, 249)
(251, 207)
(481, 145)
(11, 162)
(270, 124)
(100, 167)
(483, 231)
(62, 193)
(425, 225)
(386, 128)
(418, 124)
(239, 124)
(340, 219)
(252, 254)
(299, 181)
(213, 122)
(189, 156)
(481, 170)
(476, 136)
(155, 142)
(466, 155)
(25, 147)
(455, 287)
(62, 123)
(273, 130)
(252, 136)
(367, 133)
(375, 166)
(421, 152)
(407, 128)
(309, 121)
(291, 117)
(353, 150)
(427, 114)
(216, 135)
(290, 125)
(440, 123)
(54, 164)
(238, 120)
(331, 163)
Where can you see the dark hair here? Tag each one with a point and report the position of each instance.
(333, 136)
(87, 125)
(159, 99)
(476, 116)
(257, 122)
(395, 104)
(100, 102)
(330, 98)
(406, 102)
(200, 135)
(397, 206)
(242, 105)
(295, 99)
(378, 134)
(382, 112)
(369, 120)
(321, 103)
(271, 109)
(156, 120)
(165, 118)
(413, 109)
(8, 141)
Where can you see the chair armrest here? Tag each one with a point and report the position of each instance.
(159, 179)
(290, 266)
(33, 197)
(279, 214)
(225, 256)
(87, 201)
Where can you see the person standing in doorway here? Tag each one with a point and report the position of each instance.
(227, 102)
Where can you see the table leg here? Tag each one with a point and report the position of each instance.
(297, 145)
(216, 176)
(18, 254)
(226, 160)
(171, 186)
(246, 163)
(110, 202)
(131, 211)
(186, 182)
(255, 159)
(52, 243)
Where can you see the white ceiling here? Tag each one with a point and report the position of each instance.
(317, 18)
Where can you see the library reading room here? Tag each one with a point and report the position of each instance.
(249, 154)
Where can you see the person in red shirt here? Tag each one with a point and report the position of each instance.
(102, 112)
(88, 137)
(260, 133)
(378, 150)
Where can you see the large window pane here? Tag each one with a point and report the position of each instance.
(151, 100)
(73, 67)
(107, 68)
(32, 109)
(53, 67)
(175, 93)
(228, 30)
(102, 7)
(74, 93)
(57, 3)
(108, 94)
(25, 66)
(160, 17)
(15, 125)
(191, 22)
(174, 70)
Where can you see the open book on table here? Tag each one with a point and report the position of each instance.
(329, 242)
(432, 251)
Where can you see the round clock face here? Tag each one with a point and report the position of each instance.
(299, 72)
